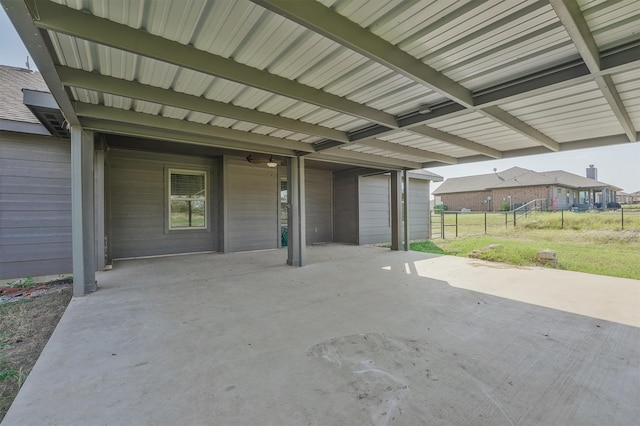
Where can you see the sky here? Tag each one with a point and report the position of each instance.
(617, 165)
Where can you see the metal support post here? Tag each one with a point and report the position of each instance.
(297, 244)
(82, 212)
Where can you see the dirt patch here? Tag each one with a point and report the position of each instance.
(28, 317)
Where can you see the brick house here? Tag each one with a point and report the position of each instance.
(516, 186)
(625, 198)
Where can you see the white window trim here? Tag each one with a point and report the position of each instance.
(204, 173)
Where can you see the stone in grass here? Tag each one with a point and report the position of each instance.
(475, 254)
(547, 257)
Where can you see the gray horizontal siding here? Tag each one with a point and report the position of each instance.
(375, 209)
(345, 208)
(252, 198)
(35, 206)
(137, 213)
(318, 206)
(418, 209)
(36, 185)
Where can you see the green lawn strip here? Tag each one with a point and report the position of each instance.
(602, 253)
(426, 247)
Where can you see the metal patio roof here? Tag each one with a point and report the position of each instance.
(395, 84)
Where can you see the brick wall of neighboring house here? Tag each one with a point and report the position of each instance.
(520, 195)
(476, 200)
(467, 200)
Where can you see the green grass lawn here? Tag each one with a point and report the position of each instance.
(587, 244)
(181, 220)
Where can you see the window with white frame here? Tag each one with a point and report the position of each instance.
(187, 199)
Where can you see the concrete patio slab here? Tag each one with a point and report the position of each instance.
(361, 335)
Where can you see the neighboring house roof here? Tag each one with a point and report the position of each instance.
(576, 181)
(478, 182)
(426, 175)
(517, 177)
(14, 114)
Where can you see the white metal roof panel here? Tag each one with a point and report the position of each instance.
(611, 21)
(422, 142)
(478, 45)
(576, 112)
(628, 85)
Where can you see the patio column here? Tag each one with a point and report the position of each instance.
(396, 209)
(297, 244)
(99, 194)
(82, 205)
(405, 210)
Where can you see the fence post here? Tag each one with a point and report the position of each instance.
(562, 215)
(485, 222)
(505, 220)
(442, 223)
(514, 218)
(456, 224)
(622, 217)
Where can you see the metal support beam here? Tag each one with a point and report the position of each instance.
(417, 153)
(405, 210)
(366, 160)
(131, 89)
(77, 23)
(20, 16)
(565, 146)
(571, 17)
(574, 23)
(178, 136)
(456, 140)
(99, 205)
(297, 247)
(608, 89)
(82, 212)
(159, 122)
(396, 209)
(521, 127)
(325, 21)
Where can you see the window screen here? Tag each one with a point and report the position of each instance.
(187, 199)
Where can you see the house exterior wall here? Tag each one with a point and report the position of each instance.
(138, 205)
(242, 206)
(520, 195)
(480, 201)
(419, 216)
(319, 206)
(374, 209)
(35, 206)
(345, 207)
(562, 198)
(467, 200)
(251, 206)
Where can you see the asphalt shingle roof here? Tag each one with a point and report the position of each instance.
(517, 177)
(575, 181)
(12, 81)
(478, 182)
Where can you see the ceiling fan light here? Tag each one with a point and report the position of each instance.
(272, 163)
